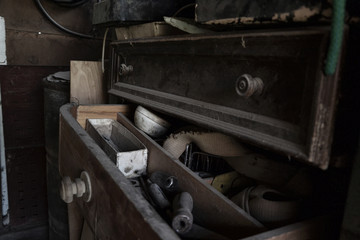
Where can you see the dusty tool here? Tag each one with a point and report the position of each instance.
(182, 220)
(158, 196)
(199, 161)
(165, 181)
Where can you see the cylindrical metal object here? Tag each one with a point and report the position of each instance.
(56, 94)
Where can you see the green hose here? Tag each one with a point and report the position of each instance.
(337, 27)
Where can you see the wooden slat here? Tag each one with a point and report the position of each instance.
(87, 234)
(101, 111)
(76, 221)
(86, 83)
(324, 227)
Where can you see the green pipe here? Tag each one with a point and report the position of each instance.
(337, 28)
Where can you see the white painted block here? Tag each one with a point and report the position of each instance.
(2, 42)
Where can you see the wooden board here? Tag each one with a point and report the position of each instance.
(84, 112)
(86, 82)
(86, 233)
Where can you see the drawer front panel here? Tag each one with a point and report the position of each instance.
(195, 77)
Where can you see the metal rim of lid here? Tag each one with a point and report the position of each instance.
(153, 116)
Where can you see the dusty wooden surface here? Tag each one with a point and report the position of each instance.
(87, 233)
(84, 112)
(32, 40)
(37, 232)
(76, 221)
(86, 82)
(315, 229)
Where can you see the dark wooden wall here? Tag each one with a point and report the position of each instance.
(35, 49)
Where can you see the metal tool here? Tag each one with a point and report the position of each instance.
(158, 196)
(199, 161)
(182, 220)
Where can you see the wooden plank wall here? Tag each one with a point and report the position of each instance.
(32, 40)
(23, 110)
(35, 49)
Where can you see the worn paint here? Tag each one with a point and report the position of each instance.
(127, 152)
(132, 164)
(282, 17)
(4, 185)
(319, 128)
(243, 43)
(303, 13)
(327, 13)
(3, 60)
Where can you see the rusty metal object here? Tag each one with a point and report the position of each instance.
(183, 219)
(248, 86)
(150, 123)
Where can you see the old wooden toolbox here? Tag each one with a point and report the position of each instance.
(212, 80)
(266, 88)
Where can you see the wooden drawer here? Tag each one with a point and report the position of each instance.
(118, 211)
(196, 78)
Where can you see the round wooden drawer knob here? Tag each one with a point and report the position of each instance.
(80, 187)
(248, 86)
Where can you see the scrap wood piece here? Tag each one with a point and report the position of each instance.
(86, 82)
(84, 112)
(185, 25)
